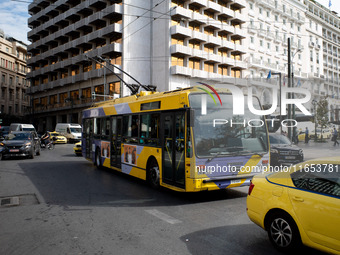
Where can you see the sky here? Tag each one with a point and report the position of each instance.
(14, 15)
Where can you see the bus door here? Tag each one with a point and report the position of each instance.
(116, 141)
(173, 147)
(88, 134)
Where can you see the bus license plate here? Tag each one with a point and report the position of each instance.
(235, 181)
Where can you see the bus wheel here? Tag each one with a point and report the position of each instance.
(153, 174)
(98, 160)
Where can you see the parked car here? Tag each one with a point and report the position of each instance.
(77, 149)
(282, 151)
(4, 130)
(57, 137)
(299, 206)
(20, 143)
(326, 133)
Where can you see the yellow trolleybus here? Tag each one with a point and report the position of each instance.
(181, 140)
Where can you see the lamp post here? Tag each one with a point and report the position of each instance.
(280, 85)
(293, 108)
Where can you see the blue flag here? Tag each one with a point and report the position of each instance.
(269, 74)
(330, 3)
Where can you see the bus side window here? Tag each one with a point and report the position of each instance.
(131, 128)
(149, 129)
(96, 128)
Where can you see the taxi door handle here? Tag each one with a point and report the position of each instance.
(298, 199)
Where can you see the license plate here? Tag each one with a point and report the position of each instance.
(235, 181)
(14, 150)
(290, 157)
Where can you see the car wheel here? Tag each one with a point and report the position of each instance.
(98, 161)
(153, 174)
(283, 232)
(32, 154)
(38, 152)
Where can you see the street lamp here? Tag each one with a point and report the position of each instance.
(279, 74)
(293, 109)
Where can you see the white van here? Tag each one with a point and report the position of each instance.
(71, 131)
(21, 127)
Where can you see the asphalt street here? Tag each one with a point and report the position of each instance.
(67, 206)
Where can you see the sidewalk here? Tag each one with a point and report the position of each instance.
(313, 149)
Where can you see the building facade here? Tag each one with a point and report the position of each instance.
(172, 44)
(167, 44)
(14, 103)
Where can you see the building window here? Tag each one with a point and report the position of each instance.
(208, 67)
(194, 64)
(223, 70)
(177, 61)
(86, 93)
(114, 88)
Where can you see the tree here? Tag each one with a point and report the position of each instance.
(322, 114)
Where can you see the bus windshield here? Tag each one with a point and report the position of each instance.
(218, 133)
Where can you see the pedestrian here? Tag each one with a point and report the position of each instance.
(306, 135)
(334, 137)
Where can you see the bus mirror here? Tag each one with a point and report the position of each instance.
(191, 117)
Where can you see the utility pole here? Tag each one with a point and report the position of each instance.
(289, 94)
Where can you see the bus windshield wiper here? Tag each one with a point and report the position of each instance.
(247, 153)
(213, 157)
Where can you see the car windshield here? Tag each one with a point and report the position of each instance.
(54, 134)
(217, 132)
(19, 136)
(28, 129)
(75, 130)
(279, 139)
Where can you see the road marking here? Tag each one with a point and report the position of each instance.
(163, 216)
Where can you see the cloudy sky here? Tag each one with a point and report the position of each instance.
(14, 16)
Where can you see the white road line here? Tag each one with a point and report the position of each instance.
(163, 216)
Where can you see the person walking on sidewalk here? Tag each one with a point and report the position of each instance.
(334, 137)
(306, 135)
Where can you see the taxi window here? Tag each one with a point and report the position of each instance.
(320, 178)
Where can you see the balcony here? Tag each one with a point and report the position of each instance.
(228, 28)
(180, 12)
(180, 49)
(214, 40)
(199, 36)
(179, 30)
(180, 70)
(214, 6)
(199, 54)
(227, 44)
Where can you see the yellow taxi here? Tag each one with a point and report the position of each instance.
(77, 149)
(57, 138)
(299, 205)
(301, 136)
